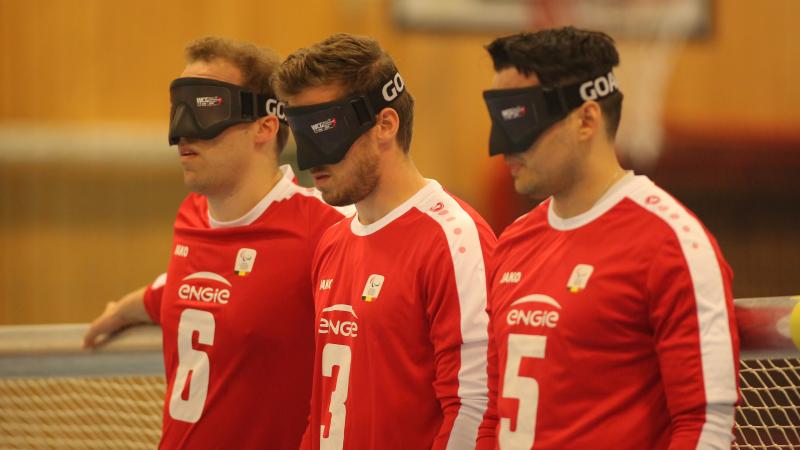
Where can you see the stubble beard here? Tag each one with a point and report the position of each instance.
(356, 186)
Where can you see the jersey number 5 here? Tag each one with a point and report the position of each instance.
(336, 355)
(524, 389)
(194, 362)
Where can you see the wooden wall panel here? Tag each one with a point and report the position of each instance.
(744, 75)
(73, 238)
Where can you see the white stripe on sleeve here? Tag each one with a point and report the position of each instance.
(716, 348)
(470, 275)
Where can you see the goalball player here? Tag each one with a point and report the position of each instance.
(235, 305)
(611, 309)
(400, 289)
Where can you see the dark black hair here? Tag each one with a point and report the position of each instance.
(560, 56)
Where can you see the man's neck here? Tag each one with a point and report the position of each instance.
(235, 202)
(400, 180)
(590, 184)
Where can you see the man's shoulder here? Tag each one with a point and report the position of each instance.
(653, 212)
(456, 218)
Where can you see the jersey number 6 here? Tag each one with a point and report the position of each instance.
(194, 362)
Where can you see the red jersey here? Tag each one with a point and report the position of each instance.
(613, 329)
(236, 310)
(402, 329)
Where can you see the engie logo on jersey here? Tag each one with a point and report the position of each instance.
(579, 278)
(372, 288)
(533, 311)
(342, 325)
(245, 260)
(200, 287)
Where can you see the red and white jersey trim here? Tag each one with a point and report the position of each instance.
(470, 273)
(717, 358)
(467, 256)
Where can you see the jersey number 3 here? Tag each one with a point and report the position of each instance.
(524, 389)
(189, 408)
(336, 355)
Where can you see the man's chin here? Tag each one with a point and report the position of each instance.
(528, 190)
(193, 184)
(335, 200)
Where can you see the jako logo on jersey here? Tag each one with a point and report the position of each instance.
(193, 291)
(245, 260)
(325, 125)
(534, 317)
(511, 277)
(348, 328)
(579, 278)
(182, 250)
(599, 87)
(393, 87)
(512, 113)
(275, 108)
(372, 288)
(208, 101)
(325, 285)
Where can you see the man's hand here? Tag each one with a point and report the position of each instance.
(126, 311)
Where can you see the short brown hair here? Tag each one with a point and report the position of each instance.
(257, 66)
(559, 56)
(357, 63)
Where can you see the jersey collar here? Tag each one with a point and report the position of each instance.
(359, 229)
(280, 191)
(613, 195)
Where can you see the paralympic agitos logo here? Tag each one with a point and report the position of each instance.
(197, 287)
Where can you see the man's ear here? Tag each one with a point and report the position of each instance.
(589, 118)
(387, 124)
(267, 129)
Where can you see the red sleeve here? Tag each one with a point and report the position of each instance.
(455, 290)
(152, 298)
(691, 312)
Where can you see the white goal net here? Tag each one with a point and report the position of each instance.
(768, 416)
(53, 395)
